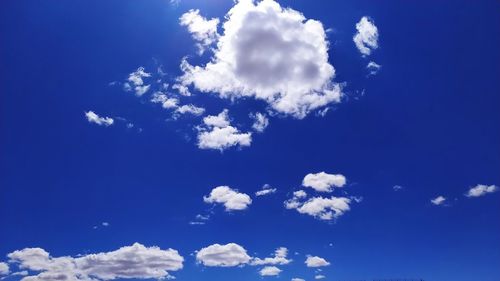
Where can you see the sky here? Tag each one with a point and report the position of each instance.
(249, 140)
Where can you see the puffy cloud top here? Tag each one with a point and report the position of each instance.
(232, 199)
(272, 54)
(315, 261)
(270, 271)
(323, 182)
(227, 255)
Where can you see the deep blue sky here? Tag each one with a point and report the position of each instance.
(428, 121)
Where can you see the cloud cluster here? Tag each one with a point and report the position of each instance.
(93, 117)
(320, 207)
(280, 257)
(366, 38)
(136, 82)
(227, 255)
(323, 182)
(217, 133)
(269, 271)
(232, 254)
(173, 103)
(315, 261)
(230, 198)
(481, 190)
(136, 261)
(271, 54)
(202, 30)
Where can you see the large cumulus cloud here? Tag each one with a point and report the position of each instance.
(269, 53)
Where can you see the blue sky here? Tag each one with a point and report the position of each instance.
(172, 171)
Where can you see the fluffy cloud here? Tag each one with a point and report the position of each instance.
(315, 261)
(373, 68)
(232, 199)
(266, 190)
(323, 182)
(481, 190)
(217, 133)
(136, 82)
(366, 39)
(438, 200)
(320, 207)
(269, 271)
(279, 258)
(203, 31)
(92, 117)
(4, 268)
(271, 54)
(227, 255)
(260, 122)
(136, 261)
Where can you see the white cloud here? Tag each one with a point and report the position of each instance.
(373, 68)
(164, 100)
(315, 261)
(321, 208)
(232, 199)
(271, 54)
(279, 258)
(323, 182)
(217, 133)
(4, 268)
(136, 261)
(221, 120)
(227, 255)
(269, 271)
(295, 202)
(260, 122)
(141, 90)
(366, 39)
(319, 276)
(136, 79)
(191, 109)
(203, 31)
(20, 273)
(481, 190)
(266, 190)
(438, 200)
(397, 187)
(182, 89)
(173, 103)
(92, 117)
(298, 279)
